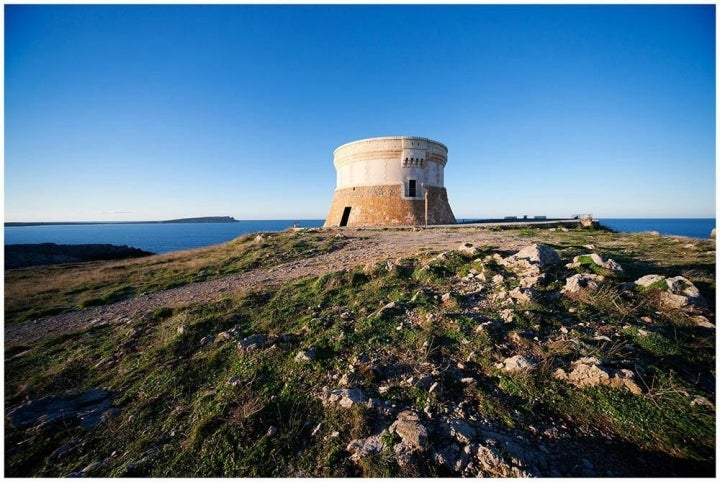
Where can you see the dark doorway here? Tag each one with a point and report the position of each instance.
(411, 188)
(345, 216)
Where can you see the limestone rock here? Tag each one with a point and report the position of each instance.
(535, 254)
(712, 233)
(532, 281)
(253, 342)
(588, 371)
(649, 280)
(517, 363)
(461, 430)
(306, 355)
(361, 448)
(492, 463)
(609, 264)
(523, 295)
(682, 293)
(579, 282)
(411, 431)
(347, 397)
(468, 249)
(682, 286)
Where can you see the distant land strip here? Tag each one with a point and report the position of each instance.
(206, 219)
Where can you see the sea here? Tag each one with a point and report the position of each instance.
(167, 237)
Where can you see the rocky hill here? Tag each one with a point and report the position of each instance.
(446, 352)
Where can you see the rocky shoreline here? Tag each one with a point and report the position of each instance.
(24, 255)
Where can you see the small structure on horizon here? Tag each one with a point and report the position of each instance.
(390, 181)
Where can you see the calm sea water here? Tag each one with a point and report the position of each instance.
(156, 238)
(163, 238)
(692, 227)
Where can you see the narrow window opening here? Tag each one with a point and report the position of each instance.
(412, 188)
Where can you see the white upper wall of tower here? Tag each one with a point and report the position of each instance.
(390, 160)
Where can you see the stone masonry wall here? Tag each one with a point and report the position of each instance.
(385, 206)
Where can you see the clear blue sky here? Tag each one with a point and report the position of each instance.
(158, 112)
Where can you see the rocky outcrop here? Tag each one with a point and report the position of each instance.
(682, 293)
(679, 292)
(85, 409)
(597, 260)
(22, 255)
(588, 372)
(531, 259)
(414, 435)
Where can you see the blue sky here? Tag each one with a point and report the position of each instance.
(156, 112)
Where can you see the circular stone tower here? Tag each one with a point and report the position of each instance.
(384, 181)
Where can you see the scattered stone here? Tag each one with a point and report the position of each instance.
(413, 433)
(234, 381)
(506, 315)
(468, 249)
(182, 329)
(306, 355)
(523, 295)
(532, 281)
(224, 336)
(386, 309)
(649, 280)
(361, 448)
(346, 397)
(682, 293)
(272, 431)
(579, 282)
(700, 320)
(493, 464)
(532, 258)
(85, 409)
(206, 339)
(609, 264)
(461, 430)
(702, 402)
(517, 363)
(253, 342)
(433, 387)
(587, 371)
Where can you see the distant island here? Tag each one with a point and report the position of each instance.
(205, 219)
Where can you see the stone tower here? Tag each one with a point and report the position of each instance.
(383, 181)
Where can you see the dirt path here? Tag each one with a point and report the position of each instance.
(364, 246)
